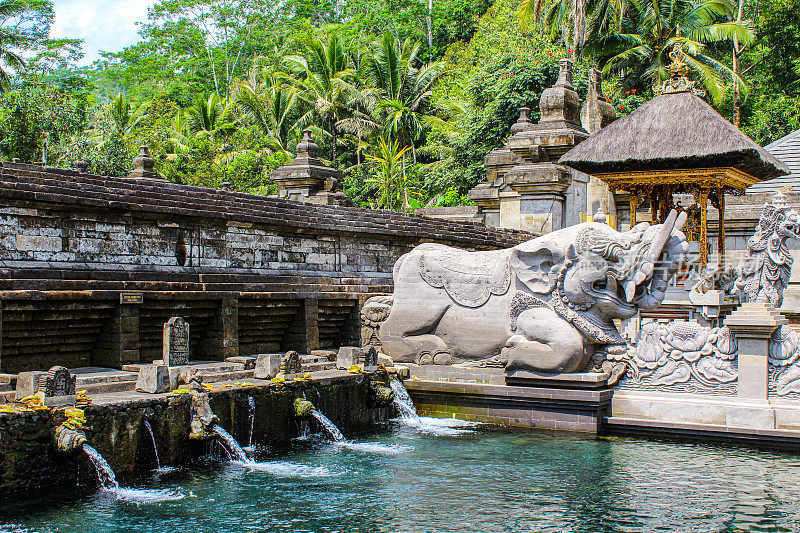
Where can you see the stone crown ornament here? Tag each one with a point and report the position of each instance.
(678, 81)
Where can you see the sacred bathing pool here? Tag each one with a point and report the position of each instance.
(606, 340)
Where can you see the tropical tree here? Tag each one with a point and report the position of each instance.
(639, 51)
(276, 109)
(24, 33)
(393, 188)
(211, 115)
(326, 82)
(122, 118)
(565, 19)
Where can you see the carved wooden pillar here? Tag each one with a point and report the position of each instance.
(654, 205)
(721, 233)
(702, 201)
(665, 203)
(633, 201)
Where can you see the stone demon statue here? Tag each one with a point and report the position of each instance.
(544, 305)
(765, 273)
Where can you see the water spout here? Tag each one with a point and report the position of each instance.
(105, 475)
(153, 438)
(108, 481)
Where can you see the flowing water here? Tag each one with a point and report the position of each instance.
(109, 484)
(366, 447)
(490, 480)
(330, 427)
(251, 418)
(153, 438)
(435, 426)
(232, 446)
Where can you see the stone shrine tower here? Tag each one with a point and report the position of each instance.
(525, 187)
(308, 179)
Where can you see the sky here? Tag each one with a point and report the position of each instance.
(104, 25)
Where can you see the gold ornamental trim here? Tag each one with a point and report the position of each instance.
(710, 177)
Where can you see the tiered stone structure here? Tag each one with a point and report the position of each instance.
(308, 179)
(596, 114)
(525, 187)
(91, 267)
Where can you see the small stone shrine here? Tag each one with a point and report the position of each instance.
(308, 179)
(176, 342)
(290, 363)
(525, 186)
(144, 164)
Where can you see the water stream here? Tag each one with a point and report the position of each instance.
(108, 482)
(435, 426)
(153, 438)
(233, 447)
(251, 404)
(367, 447)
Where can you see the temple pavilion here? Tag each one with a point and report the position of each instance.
(676, 144)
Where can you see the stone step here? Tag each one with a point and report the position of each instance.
(321, 365)
(308, 359)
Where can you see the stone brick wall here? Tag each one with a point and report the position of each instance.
(249, 273)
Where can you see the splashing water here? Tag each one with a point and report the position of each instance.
(403, 401)
(329, 426)
(231, 444)
(108, 482)
(434, 426)
(251, 419)
(277, 468)
(153, 438)
(367, 447)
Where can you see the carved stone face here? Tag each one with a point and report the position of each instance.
(616, 273)
(789, 227)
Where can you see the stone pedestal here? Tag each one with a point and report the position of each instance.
(753, 324)
(268, 365)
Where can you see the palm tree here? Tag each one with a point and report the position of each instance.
(394, 190)
(640, 49)
(327, 83)
(398, 99)
(276, 109)
(124, 117)
(211, 115)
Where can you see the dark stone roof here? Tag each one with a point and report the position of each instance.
(786, 149)
(672, 131)
(77, 190)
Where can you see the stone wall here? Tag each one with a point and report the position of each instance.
(92, 266)
(30, 464)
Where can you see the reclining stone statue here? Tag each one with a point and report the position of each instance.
(544, 305)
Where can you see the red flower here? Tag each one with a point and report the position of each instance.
(627, 92)
(549, 53)
(570, 50)
(634, 91)
(538, 62)
(622, 107)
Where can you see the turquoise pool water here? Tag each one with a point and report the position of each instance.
(480, 479)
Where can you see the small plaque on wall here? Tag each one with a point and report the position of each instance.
(131, 298)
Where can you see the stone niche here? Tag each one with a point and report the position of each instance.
(525, 187)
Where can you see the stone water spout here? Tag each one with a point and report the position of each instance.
(203, 418)
(70, 434)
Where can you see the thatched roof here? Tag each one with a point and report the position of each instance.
(672, 131)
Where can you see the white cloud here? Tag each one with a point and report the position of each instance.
(104, 25)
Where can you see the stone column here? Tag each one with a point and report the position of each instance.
(311, 323)
(229, 322)
(753, 324)
(119, 344)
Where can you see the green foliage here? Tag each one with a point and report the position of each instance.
(31, 112)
